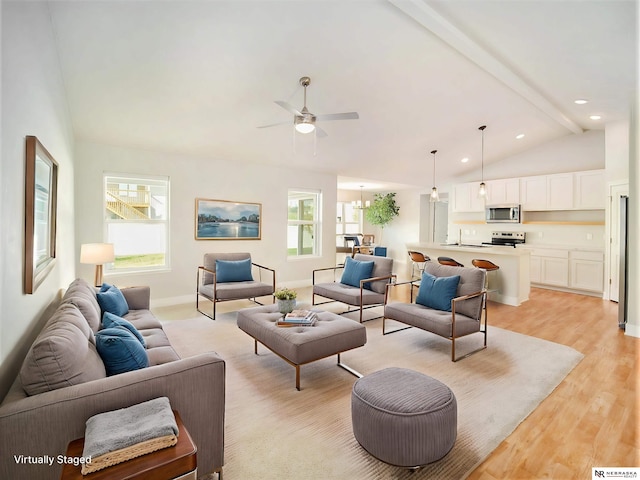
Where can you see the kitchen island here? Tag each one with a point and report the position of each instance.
(509, 285)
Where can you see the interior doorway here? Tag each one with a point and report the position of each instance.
(434, 219)
(440, 221)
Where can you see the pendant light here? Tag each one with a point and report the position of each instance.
(434, 191)
(482, 192)
(359, 204)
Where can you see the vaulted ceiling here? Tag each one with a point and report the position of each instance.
(198, 77)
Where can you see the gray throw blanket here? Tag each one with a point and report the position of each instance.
(110, 431)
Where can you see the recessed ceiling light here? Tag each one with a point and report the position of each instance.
(595, 117)
(581, 101)
(465, 160)
(519, 136)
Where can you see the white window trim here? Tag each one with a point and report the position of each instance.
(109, 271)
(317, 222)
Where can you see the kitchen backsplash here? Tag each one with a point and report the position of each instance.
(592, 236)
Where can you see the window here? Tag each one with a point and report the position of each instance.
(348, 221)
(137, 221)
(303, 226)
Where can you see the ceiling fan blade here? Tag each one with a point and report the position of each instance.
(338, 116)
(275, 124)
(320, 132)
(288, 107)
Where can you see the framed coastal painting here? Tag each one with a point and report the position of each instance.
(41, 185)
(226, 220)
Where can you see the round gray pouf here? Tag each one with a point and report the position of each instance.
(403, 417)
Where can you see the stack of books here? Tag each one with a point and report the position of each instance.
(304, 318)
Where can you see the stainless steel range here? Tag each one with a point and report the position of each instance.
(509, 239)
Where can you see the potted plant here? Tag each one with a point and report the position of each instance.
(382, 210)
(286, 299)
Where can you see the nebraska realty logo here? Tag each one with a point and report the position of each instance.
(614, 472)
(50, 460)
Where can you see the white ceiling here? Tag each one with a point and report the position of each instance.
(198, 78)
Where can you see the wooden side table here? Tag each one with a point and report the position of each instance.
(177, 462)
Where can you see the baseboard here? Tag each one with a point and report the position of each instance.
(507, 300)
(632, 330)
(191, 298)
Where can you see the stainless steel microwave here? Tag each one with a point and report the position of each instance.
(502, 213)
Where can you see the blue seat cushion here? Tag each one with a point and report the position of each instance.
(110, 320)
(437, 292)
(233, 271)
(111, 300)
(356, 270)
(120, 350)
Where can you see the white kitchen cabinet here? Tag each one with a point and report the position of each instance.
(551, 267)
(587, 270)
(503, 191)
(547, 192)
(535, 269)
(590, 190)
(466, 199)
(570, 268)
(533, 192)
(560, 191)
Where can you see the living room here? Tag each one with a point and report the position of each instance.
(35, 101)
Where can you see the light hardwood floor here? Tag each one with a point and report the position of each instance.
(591, 419)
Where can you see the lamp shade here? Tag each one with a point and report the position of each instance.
(97, 253)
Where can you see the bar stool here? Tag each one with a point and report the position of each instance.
(418, 261)
(449, 261)
(487, 266)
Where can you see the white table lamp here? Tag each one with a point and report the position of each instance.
(97, 254)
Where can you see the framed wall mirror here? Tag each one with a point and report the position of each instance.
(41, 188)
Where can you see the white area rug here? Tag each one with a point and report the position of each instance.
(274, 431)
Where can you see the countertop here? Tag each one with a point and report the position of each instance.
(469, 248)
(583, 248)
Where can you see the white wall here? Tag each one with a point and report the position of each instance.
(571, 153)
(633, 325)
(33, 104)
(193, 178)
(617, 151)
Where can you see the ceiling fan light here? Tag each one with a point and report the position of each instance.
(305, 124)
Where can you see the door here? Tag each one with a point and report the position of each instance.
(617, 191)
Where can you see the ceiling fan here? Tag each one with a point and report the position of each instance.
(304, 121)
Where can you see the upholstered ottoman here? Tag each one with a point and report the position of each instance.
(403, 417)
(331, 335)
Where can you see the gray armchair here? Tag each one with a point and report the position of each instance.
(467, 308)
(233, 276)
(370, 292)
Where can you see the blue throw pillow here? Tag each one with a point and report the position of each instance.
(437, 292)
(120, 350)
(233, 271)
(110, 320)
(111, 300)
(356, 270)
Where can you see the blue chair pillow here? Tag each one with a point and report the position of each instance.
(437, 292)
(356, 270)
(110, 320)
(111, 300)
(233, 271)
(120, 350)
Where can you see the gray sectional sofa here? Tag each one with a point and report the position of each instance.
(63, 382)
